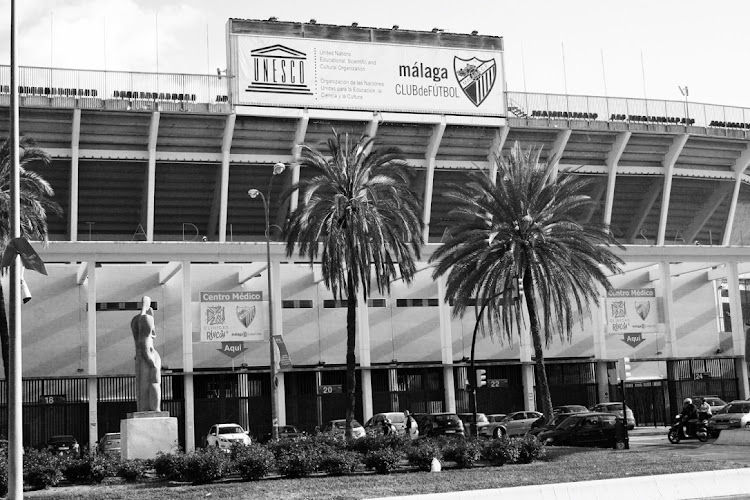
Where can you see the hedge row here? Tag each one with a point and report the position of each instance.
(289, 458)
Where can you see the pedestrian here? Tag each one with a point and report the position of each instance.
(410, 426)
(387, 427)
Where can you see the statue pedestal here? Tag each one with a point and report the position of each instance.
(146, 433)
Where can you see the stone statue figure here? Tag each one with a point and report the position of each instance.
(147, 359)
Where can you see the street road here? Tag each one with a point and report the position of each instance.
(692, 447)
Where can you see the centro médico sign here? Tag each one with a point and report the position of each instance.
(232, 316)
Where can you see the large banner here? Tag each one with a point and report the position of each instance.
(232, 316)
(632, 310)
(283, 71)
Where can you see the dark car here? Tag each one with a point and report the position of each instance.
(64, 445)
(541, 424)
(616, 409)
(110, 443)
(439, 424)
(289, 432)
(587, 429)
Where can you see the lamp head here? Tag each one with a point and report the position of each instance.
(253, 193)
(278, 168)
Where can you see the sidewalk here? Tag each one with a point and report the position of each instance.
(649, 431)
(721, 484)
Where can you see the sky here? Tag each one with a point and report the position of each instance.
(631, 48)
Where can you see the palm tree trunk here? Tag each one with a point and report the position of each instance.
(4, 334)
(541, 373)
(351, 337)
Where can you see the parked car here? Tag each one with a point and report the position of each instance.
(289, 432)
(439, 424)
(715, 402)
(735, 415)
(586, 429)
(338, 428)
(517, 423)
(109, 444)
(616, 409)
(223, 436)
(375, 424)
(65, 445)
(570, 409)
(541, 424)
(493, 423)
(468, 420)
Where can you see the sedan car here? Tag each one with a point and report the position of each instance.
(616, 409)
(541, 424)
(492, 428)
(715, 402)
(518, 423)
(289, 432)
(585, 429)
(439, 424)
(374, 425)
(65, 445)
(109, 444)
(223, 436)
(735, 415)
(338, 428)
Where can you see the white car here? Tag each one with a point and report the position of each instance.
(223, 436)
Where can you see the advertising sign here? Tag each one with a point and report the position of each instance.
(354, 75)
(232, 317)
(632, 310)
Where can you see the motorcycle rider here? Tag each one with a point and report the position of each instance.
(689, 417)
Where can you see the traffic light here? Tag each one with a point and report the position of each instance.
(623, 369)
(481, 377)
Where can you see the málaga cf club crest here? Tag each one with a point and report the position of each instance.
(246, 315)
(476, 77)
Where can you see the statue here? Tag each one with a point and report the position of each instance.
(147, 359)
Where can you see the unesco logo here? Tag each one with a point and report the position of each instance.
(280, 70)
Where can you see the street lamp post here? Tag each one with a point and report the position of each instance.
(254, 193)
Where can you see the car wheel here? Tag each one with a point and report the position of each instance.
(619, 445)
(498, 433)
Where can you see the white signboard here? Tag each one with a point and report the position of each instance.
(283, 71)
(632, 310)
(232, 316)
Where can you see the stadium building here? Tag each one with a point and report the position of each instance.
(153, 171)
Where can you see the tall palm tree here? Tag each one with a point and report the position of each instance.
(358, 217)
(36, 204)
(524, 226)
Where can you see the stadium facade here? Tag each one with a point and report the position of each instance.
(153, 171)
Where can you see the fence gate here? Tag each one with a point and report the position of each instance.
(701, 376)
(571, 383)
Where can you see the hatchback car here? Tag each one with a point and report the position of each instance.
(616, 409)
(338, 428)
(289, 432)
(65, 445)
(223, 436)
(586, 429)
(109, 444)
(517, 423)
(735, 415)
(374, 425)
(439, 424)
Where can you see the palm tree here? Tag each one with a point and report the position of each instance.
(36, 203)
(357, 212)
(524, 227)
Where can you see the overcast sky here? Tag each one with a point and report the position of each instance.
(628, 48)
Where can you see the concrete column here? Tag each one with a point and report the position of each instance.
(363, 344)
(527, 376)
(74, 154)
(449, 389)
(187, 357)
(92, 380)
(738, 330)
(446, 346)
(670, 338)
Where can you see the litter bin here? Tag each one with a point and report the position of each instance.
(622, 441)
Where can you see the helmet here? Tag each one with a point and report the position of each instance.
(688, 401)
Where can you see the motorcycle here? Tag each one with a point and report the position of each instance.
(679, 431)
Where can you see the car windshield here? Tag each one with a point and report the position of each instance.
(447, 418)
(568, 423)
(397, 418)
(231, 430)
(738, 408)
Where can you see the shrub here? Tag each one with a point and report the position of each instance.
(205, 466)
(170, 466)
(500, 451)
(339, 462)
(253, 462)
(421, 453)
(89, 469)
(465, 452)
(378, 442)
(3, 471)
(132, 470)
(529, 449)
(299, 460)
(42, 469)
(384, 461)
